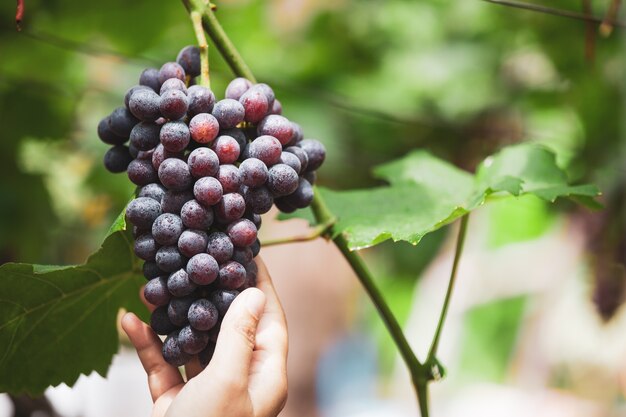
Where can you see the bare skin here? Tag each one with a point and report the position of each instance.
(247, 376)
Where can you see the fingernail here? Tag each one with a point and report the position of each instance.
(255, 301)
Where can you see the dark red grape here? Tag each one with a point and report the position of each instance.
(259, 200)
(229, 113)
(192, 242)
(178, 308)
(229, 177)
(175, 136)
(173, 84)
(173, 201)
(242, 255)
(242, 232)
(142, 212)
(196, 216)
(231, 207)
(145, 104)
(315, 151)
(203, 162)
(169, 259)
(202, 268)
(141, 172)
(121, 122)
(174, 104)
(171, 70)
(303, 196)
(154, 191)
(204, 128)
(291, 160)
(232, 275)
(150, 78)
(208, 191)
(167, 228)
(255, 105)
(253, 172)
(278, 126)
(226, 148)
(237, 87)
(117, 159)
(160, 154)
(179, 284)
(107, 136)
(172, 352)
(277, 107)
(268, 92)
(192, 341)
(189, 59)
(174, 174)
(266, 148)
(130, 92)
(282, 180)
(145, 136)
(202, 315)
(145, 247)
(201, 100)
(301, 154)
(156, 292)
(222, 299)
(220, 247)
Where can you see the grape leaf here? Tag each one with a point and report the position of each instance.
(57, 322)
(427, 193)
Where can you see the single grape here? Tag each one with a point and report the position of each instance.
(167, 228)
(208, 191)
(259, 200)
(150, 78)
(154, 191)
(255, 105)
(242, 255)
(237, 87)
(145, 104)
(301, 154)
(175, 136)
(203, 162)
(255, 247)
(242, 232)
(121, 121)
(229, 113)
(178, 308)
(239, 136)
(189, 59)
(226, 148)
(130, 92)
(151, 270)
(160, 154)
(192, 242)
(141, 172)
(202, 315)
(174, 104)
(107, 135)
(117, 159)
(231, 207)
(277, 107)
(229, 177)
(169, 259)
(142, 212)
(173, 201)
(196, 216)
(278, 126)
(315, 151)
(174, 174)
(173, 84)
(222, 299)
(220, 247)
(145, 247)
(282, 180)
(204, 128)
(145, 136)
(253, 172)
(202, 268)
(291, 160)
(160, 322)
(201, 100)
(171, 70)
(192, 341)
(303, 196)
(267, 90)
(172, 352)
(266, 148)
(284, 205)
(156, 292)
(179, 284)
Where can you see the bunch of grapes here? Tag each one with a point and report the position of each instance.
(205, 172)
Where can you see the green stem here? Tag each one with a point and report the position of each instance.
(196, 18)
(444, 310)
(316, 232)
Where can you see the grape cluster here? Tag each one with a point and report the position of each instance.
(205, 172)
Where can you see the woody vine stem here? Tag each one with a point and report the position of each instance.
(421, 373)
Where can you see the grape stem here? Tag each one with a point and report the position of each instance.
(317, 231)
(196, 19)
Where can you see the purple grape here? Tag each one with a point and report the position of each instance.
(174, 174)
(171, 70)
(242, 232)
(189, 59)
(231, 207)
(173, 201)
(150, 78)
(208, 191)
(237, 87)
(179, 284)
(145, 247)
(204, 128)
(107, 136)
(174, 104)
(160, 154)
(253, 172)
(255, 248)
(203, 162)
(282, 180)
(266, 148)
(201, 100)
(229, 113)
(145, 136)
(239, 136)
(169, 259)
(121, 121)
(167, 228)
(220, 247)
(178, 308)
(145, 104)
(303, 196)
(173, 84)
(192, 341)
(130, 92)
(315, 151)
(151, 270)
(226, 148)
(222, 299)
(284, 205)
(156, 292)
(291, 160)
(229, 177)
(141, 172)
(175, 136)
(269, 93)
(142, 212)
(278, 126)
(160, 322)
(202, 268)
(202, 315)
(310, 176)
(172, 352)
(154, 191)
(242, 255)
(301, 154)
(255, 105)
(256, 219)
(117, 159)
(297, 134)
(277, 107)
(192, 242)
(196, 216)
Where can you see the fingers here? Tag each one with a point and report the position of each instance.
(236, 341)
(161, 375)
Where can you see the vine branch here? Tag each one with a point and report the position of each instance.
(196, 18)
(317, 231)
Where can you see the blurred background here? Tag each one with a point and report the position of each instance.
(536, 325)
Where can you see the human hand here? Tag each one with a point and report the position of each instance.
(247, 375)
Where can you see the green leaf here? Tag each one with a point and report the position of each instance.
(58, 322)
(426, 193)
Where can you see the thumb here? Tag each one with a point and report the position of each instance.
(235, 343)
